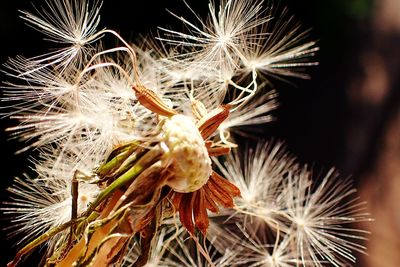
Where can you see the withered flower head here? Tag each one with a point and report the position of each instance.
(186, 160)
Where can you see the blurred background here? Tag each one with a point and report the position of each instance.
(347, 115)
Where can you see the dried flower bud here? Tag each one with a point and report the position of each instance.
(187, 154)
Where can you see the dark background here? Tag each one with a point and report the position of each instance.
(327, 121)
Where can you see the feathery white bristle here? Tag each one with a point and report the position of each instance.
(256, 248)
(322, 216)
(278, 195)
(45, 202)
(71, 23)
(253, 113)
(278, 48)
(258, 174)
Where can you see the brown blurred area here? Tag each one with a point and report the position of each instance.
(374, 100)
(360, 72)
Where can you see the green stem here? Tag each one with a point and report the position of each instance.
(41, 239)
(118, 183)
(121, 155)
(146, 160)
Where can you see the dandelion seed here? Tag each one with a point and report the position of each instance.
(217, 41)
(255, 246)
(71, 22)
(213, 46)
(277, 47)
(45, 202)
(320, 215)
(313, 219)
(95, 115)
(183, 251)
(259, 175)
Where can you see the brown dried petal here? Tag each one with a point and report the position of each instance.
(219, 196)
(176, 200)
(225, 184)
(200, 213)
(186, 210)
(210, 123)
(218, 151)
(208, 201)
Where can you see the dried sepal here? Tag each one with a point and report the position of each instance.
(193, 206)
(152, 101)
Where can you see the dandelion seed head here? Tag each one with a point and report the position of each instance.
(44, 202)
(77, 104)
(216, 41)
(72, 23)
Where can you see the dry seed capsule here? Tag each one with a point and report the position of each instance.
(187, 155)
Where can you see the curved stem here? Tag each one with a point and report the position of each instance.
(242, 101)
(104, 65)
(146, 160)
(118, 183)
(108, 51)
(41, 239)
(132, 52)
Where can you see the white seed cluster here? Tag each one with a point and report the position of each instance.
(187, 154)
